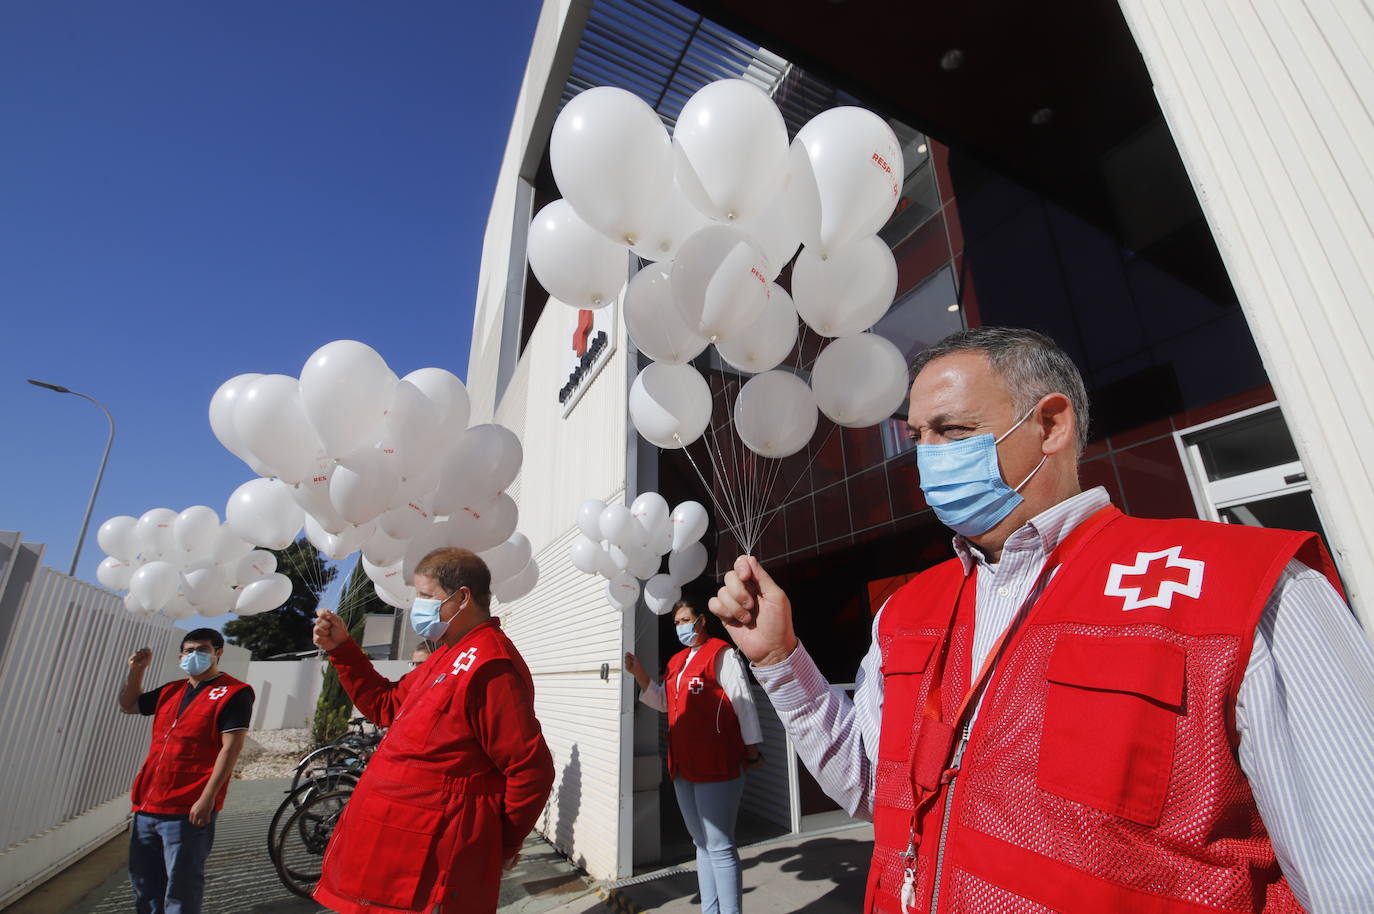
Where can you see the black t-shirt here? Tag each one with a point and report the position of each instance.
(237, 712)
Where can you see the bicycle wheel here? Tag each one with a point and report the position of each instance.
(325, 783)
(300, 848)
(324, 761)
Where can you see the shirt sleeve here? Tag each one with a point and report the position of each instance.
(376, 697)
(147, 702)
(836, 738)
(655, 696)
(500, 709)
(735, 681)
(237, 713)
(1305, 713)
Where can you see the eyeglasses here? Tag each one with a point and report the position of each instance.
(203, 649)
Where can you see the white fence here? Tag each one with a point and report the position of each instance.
(68, 754)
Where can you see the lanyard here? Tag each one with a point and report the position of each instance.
(931, 754)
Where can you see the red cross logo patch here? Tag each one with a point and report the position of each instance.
(217, 693)
(1154, 578)
(464, 661)
(695, 685)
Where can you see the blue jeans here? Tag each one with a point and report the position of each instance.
(167, 863)
(709, 811)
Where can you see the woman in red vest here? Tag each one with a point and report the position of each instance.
(713, 735)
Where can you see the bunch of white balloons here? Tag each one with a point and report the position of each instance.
(366, 461)
(185, 563)
(627, 545)
(719, 208)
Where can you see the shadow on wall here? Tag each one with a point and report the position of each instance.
(564, 808)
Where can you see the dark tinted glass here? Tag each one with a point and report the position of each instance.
(1246, 445)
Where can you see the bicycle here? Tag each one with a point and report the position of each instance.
(299, 857)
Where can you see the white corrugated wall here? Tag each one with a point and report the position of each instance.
(1271, 103)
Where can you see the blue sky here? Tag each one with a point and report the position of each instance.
(192, 190)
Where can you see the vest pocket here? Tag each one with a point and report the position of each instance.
(1111, 712)
(387, 855)
(904, 665)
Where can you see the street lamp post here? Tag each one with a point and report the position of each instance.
(90, 505)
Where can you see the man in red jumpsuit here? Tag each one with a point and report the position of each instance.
(463, 772)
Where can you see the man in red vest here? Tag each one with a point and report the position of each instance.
(1083, 711)
(463, 771)
(199, 725)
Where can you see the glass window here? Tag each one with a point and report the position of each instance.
(1245, 446)
(920, 197)
(1294, 511)
(924, 316)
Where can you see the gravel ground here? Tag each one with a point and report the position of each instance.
(272, 753)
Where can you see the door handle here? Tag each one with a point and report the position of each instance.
(1292, 478)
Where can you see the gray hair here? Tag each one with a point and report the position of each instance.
(1030, 364)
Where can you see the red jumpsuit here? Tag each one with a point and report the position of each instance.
(452, 790)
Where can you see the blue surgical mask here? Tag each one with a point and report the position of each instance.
(424, 618)
(687, 633)
(963, 484)
(196, 662)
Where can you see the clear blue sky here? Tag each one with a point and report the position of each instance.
(192, 190)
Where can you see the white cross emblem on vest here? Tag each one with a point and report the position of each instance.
(695, 685)
(217, 692)
(1152, 574)
(464, 661)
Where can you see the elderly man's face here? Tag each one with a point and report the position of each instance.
(960, 395)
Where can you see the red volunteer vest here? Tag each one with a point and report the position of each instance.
(704, 743)
(424, 824)
(182, 754)
(1101, 772)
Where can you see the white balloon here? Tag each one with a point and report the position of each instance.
(340, 545)
(661, 543)
(586, 555)
(345, 390)
(775, 231)
(422, 484)
(589, 519)
(485, 462)
(264, 594)
(644, 562)
(254, 566)
(572, 261)
(859, 380)
(135, 606)
(194, 531)
(620, 558)
(179, 607)
(114, 573)
(312, 494)
(651, 510)
(775, 414)
(484, 526)
(364, 484)
(406, 520)
(677, 220)
(518, 586)
(654, 322)
(449, 396)
(660, 593)
(153, 533)
(155, 584)
(382, 549)
(670, 405)
(613, 161)
(732, 147)
(412, 428)
(768, 340)
(506, 560)
(623, 591)
(619, 528)
(386, 577)
(262, 512)
(222, 406)
(847, 293)
(686, 566)
(391, 599)
(689, 524)
(204, 586)
(117, 538)
(228, 548)
(424, 542)
(849, 165)
(606, 566)
(719, 281)
(270, 420)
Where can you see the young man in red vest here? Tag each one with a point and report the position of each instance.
(199, 724)
(1083, 711)
(463, 772)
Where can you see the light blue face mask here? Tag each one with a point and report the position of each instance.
(424, 617)
(687, 633)
(196, 662)
(963, 484)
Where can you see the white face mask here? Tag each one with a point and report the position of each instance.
(424, 617)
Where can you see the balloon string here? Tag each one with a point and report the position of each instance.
(783, 503)
(730, 509)
(710, 490)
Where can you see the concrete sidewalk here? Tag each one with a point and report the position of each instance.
(815, 873)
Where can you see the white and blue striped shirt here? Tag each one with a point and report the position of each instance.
(1305, 712)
